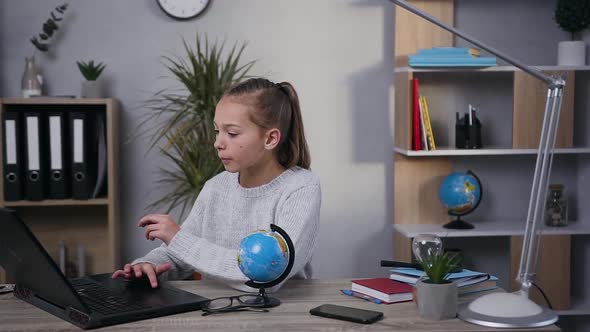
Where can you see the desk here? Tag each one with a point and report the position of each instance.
(297, 296)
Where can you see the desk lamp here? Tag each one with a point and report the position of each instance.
(516, 310)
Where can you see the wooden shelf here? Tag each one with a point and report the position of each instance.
(55, 101)
(483, 229)
(57, 202)
(488, 69)
(578, 308)
(445, 151)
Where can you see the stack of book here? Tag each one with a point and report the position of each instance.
(450, 57)
(467, 281)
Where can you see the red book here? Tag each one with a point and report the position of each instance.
(384, 289)
(416, 133)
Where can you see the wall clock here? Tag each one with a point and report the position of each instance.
(183, 9)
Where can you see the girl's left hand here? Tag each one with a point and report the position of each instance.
(159, 226)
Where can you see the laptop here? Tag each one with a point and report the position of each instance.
(88, 302)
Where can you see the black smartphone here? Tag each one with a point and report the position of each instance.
(347, 313)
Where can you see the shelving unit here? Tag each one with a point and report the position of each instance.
(511, 107)
(93, 223)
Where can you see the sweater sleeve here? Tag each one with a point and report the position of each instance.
(162, 254)
(298, 215)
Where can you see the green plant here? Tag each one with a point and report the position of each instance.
(89, 70)
(573, 16)
(182, 117)
(44, 38)
(439, 266)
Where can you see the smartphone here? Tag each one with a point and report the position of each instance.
(347, 313)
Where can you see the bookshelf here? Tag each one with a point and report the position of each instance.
(511, 108)
(93, 223)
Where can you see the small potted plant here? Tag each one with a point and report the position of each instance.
(91, 88)
(572, 16)
(437, 296)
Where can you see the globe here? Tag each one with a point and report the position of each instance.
(266, 258)
(263, 256)
(460, 193)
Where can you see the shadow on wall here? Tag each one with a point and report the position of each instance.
(371, 132)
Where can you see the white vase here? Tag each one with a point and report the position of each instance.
(91, 89)
(31, 82)
(437, 301)
(571, 53)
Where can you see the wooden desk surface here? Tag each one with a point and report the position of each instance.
(297, 296)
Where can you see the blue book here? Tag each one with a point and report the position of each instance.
(463, 278)
(449, 51)
(433, 61)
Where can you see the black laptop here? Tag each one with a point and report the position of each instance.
(87, 302)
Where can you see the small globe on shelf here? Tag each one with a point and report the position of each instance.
(461, 194)
(266, 258)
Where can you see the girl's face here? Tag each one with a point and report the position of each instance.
(241, 144)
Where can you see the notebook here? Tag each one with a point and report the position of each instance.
(87, 302)
(463, 278)
(384, 289)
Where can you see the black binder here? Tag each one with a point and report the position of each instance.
(35, 169)
(12, 156)
(84, 153)
(59, 148)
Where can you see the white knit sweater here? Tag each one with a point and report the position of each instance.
(225, 212)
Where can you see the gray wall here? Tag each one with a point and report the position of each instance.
(336, 53)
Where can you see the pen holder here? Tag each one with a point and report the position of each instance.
(467, 136)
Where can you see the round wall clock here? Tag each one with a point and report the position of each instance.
(183, 9)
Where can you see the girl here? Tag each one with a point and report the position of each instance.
(261, 142)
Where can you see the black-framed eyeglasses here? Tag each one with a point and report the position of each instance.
(246, 302)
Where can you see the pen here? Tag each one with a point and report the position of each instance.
(360, 296)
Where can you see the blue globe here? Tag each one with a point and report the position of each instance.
(460, 193)
(263, 256)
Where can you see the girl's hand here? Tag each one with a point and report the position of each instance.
(159, 226)
(138, 270)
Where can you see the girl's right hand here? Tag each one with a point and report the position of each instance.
(138, 270)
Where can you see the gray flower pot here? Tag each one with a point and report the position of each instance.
(437, 301)
(91, 89)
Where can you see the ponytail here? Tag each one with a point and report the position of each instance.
(277, 106)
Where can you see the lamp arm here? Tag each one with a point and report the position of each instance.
(544, 153)
(530, 70)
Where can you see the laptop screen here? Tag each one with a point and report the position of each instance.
(25, 259)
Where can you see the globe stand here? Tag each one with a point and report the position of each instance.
(458, 224)
(270, 302)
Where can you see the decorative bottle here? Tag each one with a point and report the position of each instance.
(556, 209)
(31, 84)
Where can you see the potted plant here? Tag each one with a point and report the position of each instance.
(91, 87)
(437, 296)
(572, 16)
(180, 118)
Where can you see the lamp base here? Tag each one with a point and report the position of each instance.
(507, 310)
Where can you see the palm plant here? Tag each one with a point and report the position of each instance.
(182, 118)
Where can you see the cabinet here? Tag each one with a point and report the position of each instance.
(93, 223)
(511, 106)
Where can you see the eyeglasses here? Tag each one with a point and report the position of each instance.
(235, 303)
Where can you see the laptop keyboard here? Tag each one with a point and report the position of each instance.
(103, 300)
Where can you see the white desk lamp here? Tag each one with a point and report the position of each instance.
(516, 310)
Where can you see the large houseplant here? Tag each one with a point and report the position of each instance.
(437, 296)
(180, 118)
(572, 16)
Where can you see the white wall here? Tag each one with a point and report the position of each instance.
(337, 53)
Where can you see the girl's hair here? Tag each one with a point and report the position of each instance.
(276, 106)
